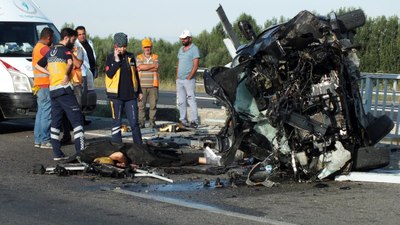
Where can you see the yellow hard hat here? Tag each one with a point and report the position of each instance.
(104, 160)
(146, 43)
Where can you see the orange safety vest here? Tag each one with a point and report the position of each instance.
(76, 73)
(40, 79)
(154, 58)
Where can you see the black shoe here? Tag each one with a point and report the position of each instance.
(194, 125)
(183, 124)
(87, 122)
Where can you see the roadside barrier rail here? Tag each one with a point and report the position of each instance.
(380, 95)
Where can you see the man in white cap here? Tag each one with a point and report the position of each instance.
(188, 62)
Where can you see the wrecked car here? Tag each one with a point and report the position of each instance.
(293, 99)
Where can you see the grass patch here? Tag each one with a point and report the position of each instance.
(99, 81)
(102, 111)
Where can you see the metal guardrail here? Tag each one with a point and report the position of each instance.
(381, 95)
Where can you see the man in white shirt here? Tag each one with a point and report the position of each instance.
(89, 69)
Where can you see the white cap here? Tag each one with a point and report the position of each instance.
(185, 33)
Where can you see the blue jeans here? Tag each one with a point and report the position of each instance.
(186, 93)
(131, 110)
(43, 117)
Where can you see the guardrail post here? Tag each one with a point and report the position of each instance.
(367, 97)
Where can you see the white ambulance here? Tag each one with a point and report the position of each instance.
(21, 22)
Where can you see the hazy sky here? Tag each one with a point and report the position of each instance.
(167, 18)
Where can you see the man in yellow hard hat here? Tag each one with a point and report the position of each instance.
(147, 65)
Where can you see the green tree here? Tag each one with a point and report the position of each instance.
(268, 23)
(102, 47)
(379, 42)
(167, 53)
(245, 17)
(212, 48)
(70, 25)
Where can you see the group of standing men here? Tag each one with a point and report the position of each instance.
(131, 82)
(63, 73)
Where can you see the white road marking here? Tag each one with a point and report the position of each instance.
(380, 177)
(203, 207)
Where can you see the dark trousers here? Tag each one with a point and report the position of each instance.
(150, 95)
(66, 104)
(66, 125)
(131, 111)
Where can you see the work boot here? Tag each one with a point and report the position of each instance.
(183, 124)
(194, 125)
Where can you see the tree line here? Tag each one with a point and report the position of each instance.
(378, 41)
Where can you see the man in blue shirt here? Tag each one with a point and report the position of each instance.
(188, 62)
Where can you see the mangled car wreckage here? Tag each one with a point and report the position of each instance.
(293, 99)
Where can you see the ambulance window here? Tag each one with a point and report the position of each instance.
(17, 39)
(56, 37)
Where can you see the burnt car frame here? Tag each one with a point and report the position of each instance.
(293, 99)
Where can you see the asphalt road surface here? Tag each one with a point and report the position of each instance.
(27, 198)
